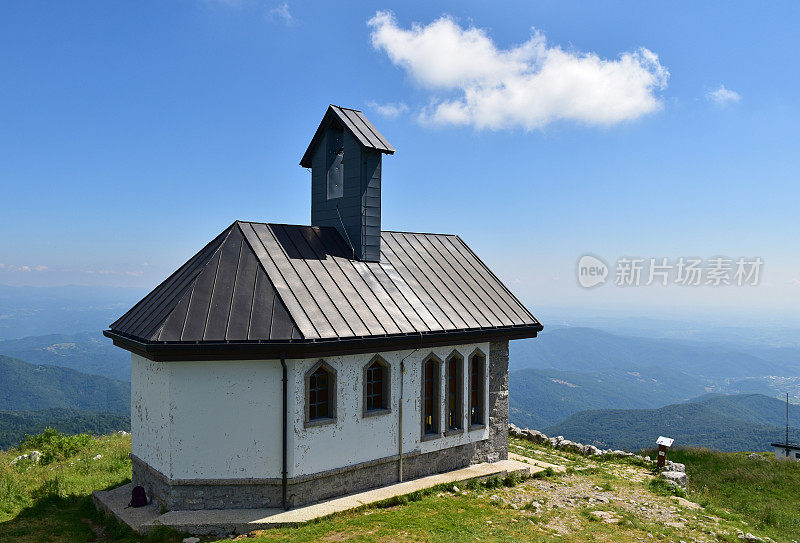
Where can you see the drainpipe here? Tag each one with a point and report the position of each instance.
(285, 444)
(400, 413)
(400, 425)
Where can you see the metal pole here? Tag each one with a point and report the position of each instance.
(787, 424)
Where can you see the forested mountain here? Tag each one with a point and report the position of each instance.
(14, 425)
(755, 408)
(726, 423)
(542, 397)
(26, 387)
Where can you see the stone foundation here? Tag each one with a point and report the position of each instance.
(193, 494)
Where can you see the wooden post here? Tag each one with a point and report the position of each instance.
(662, 456)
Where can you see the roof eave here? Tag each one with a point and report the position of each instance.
(266, 350)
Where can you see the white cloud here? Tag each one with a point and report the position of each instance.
(23, 268)
(389, 110)
(282, 14)
(528, 86)
(723, 96)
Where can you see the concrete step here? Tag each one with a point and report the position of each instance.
(220, 522)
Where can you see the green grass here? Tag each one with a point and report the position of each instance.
(765, 494)
(663, 488)
(51, 501)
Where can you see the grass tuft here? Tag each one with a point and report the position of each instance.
(662, 487)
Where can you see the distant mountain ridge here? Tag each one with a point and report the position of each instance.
(543, 397)
(755, 408)
(29, 311)
(588, 349)
(32, 387)
(87, 352)
(746, 422)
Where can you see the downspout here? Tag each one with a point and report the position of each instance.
(400, 425)
(285, 444)
(400, 413)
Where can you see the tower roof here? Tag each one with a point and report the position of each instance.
(354, 121)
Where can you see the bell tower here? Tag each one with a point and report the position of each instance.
(345, 157)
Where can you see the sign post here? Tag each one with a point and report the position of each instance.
(663, 444)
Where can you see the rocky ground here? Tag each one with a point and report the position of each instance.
(614, 492)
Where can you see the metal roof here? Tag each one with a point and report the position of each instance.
(355, 121)
(220, 294)
(287, 283)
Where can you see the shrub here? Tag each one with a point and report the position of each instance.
(547, 472)
(54, 445)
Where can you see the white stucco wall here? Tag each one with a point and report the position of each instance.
(352, 438)
(223, 419)
(208, 420)
(226, 419)
(150, 423)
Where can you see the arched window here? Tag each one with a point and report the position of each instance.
(320, 394)
(455, 392)
(376, 387)
(430, 397)
(477, 372)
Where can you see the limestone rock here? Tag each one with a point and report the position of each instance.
(683, 502)
(677, 477)
(756, 456)
(605, 516)
(33, 456)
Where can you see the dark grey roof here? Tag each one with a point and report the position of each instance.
(355, 121)
(221, 293)
(287, 283)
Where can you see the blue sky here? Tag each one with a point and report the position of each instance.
(132, 134)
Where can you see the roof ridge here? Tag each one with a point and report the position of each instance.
(266, 273)
(347, 108)
(190, 287)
